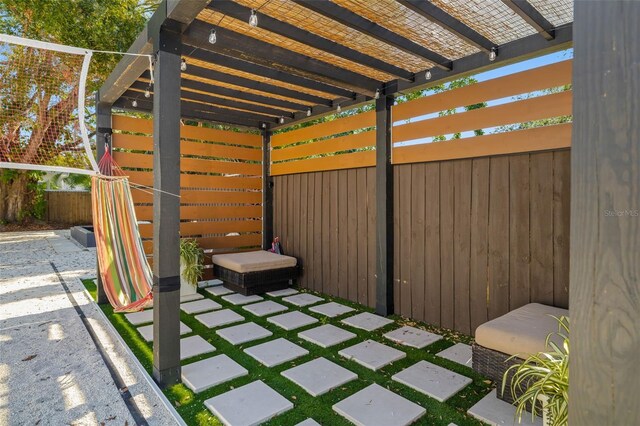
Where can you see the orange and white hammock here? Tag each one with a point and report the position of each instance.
(126, 276)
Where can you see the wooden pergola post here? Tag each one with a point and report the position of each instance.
(384, 207)
(103, 142)
(267, 192)
(166, 206)
(605, 209)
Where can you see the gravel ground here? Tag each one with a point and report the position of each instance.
(50, 369)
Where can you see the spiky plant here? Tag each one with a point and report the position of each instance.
(191, 259)
(545, 374)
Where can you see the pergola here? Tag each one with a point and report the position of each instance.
(306, 58)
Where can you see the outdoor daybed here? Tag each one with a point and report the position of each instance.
(521, 332)
(255, 272)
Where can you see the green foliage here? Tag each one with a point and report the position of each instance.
(545, 374)
(191, 261)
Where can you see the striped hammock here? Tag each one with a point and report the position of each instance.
(123, 267)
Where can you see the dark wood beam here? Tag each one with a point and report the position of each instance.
(268, 23)
(604, 284)
(166, 209)
(531, 15)
(231, 103)
(249, 67)
(103, 143)
(384, 207)
(237, 45)
(353, 20)
(434, 14)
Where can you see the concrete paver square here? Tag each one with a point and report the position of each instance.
(199, 306)
(326, 335)
(292, 320)
(496, 412)
(194, 346)
(372, 354)
(283, 292)
(142, 317)
(459, 353)
(411, 336)
(367, 321)
(319, 376)
(276, 352)
(239, 299)
(191, 297)
(377, 406)
(432, 380)
(265, 308)
(243, 333)
(331, 309)
(248, 405)
(219, 318)
(303, 299)
(210, 283)
(218, 290)
(147, 331)
(308, 422)
(202, 375)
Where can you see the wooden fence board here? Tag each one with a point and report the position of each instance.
(405, 241)
(498, 265)
(417, 255)
(332, 162)
(361, 188)
(462, 243)
(334, 233)
(304, 195)
(352, 234)
(371, 234)
(326, 236)
(343, 238)
(561, 226)
(519, 257)
(342, 143)
(317, 234)
(446, 245)
(432, 243)
(478, 263)
(328, 128)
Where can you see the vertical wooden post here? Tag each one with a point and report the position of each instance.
(384, 207)
(267, 192)
(605, 215)
(103, 143)
(166, 207)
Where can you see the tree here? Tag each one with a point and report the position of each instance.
(37, 118)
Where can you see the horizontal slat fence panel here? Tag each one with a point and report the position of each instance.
(328, 224)
(325, 146)
(221, 183)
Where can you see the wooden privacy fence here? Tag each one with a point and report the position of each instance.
(70, 207)
(220, 181)
(481, 223)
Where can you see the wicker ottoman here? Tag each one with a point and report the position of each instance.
(255, 272)
(521, 332)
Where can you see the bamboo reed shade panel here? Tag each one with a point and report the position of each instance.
(303, 18)
(244, 89)
(221, 182)
(491, 18)
(558, 12)
(409, 24)
(344, 143)
(254, 77)
(258, 33)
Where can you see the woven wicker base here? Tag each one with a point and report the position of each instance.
(256, 282)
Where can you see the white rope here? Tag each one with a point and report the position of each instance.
(61, 169)
(81, 97)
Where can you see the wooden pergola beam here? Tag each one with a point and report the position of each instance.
(357, 22)
(268, 23)
(435, 14)
(237, 45)
(531, 15)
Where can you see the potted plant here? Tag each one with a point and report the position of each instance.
(544, 377)
(191, 266)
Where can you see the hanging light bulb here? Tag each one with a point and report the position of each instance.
(264, 125)
(339, 108)
(253, 19)
(377, 95)
(309, 112)
(281, 120)
(183, 65)
(493, 54)
(427, 75)
(212, 36)
(134, 104)
(147, 93)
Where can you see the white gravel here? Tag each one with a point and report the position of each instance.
(50, 370)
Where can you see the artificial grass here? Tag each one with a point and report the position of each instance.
(191, 406)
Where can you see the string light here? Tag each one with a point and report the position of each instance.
(183, 65)
(339, 108)
(309, 112)
(493, 54)
(264, 125)
(212, 36)
(377, 95)
(281, 120)
(134, 103)
(427, 75)
(147, 93)
(253, 19)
